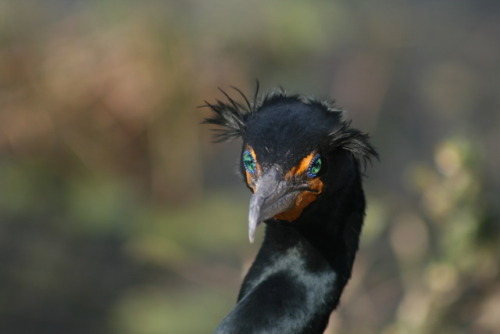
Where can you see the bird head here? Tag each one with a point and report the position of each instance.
(295, 149)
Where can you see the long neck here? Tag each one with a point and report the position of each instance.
(333, 225)
(327, 233)
(301, 269)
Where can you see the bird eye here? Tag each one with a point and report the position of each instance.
(315, 166)
(249, 162)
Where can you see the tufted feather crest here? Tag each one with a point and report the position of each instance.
(354, 141)
(231, 115)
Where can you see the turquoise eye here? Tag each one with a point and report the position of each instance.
(249, 162)
(315, 166)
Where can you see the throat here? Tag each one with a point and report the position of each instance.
(300, 271)
(290, 285)
(328, 231)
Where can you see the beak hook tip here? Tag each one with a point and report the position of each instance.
(251, 231)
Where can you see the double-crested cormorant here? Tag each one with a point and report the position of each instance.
(303, 163)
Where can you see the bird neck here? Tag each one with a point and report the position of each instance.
(328, 232)
(301, 268)
(333, 223)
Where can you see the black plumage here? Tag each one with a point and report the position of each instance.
(304, 164)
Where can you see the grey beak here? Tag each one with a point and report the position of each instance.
(272, 196)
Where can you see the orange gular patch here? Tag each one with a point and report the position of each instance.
(306, 197)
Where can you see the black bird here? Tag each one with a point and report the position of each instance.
(304, 163)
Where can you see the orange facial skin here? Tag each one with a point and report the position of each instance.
(304, 198)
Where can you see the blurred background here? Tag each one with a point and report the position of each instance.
(119, 215)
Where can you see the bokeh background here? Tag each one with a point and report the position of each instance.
(118, 215)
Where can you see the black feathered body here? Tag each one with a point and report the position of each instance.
(303, 265)
(301, 269)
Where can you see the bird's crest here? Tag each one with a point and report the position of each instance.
(231, 117)
(354, 141)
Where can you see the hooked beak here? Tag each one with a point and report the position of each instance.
(272, 196)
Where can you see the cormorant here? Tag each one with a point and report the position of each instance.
(303, 163)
